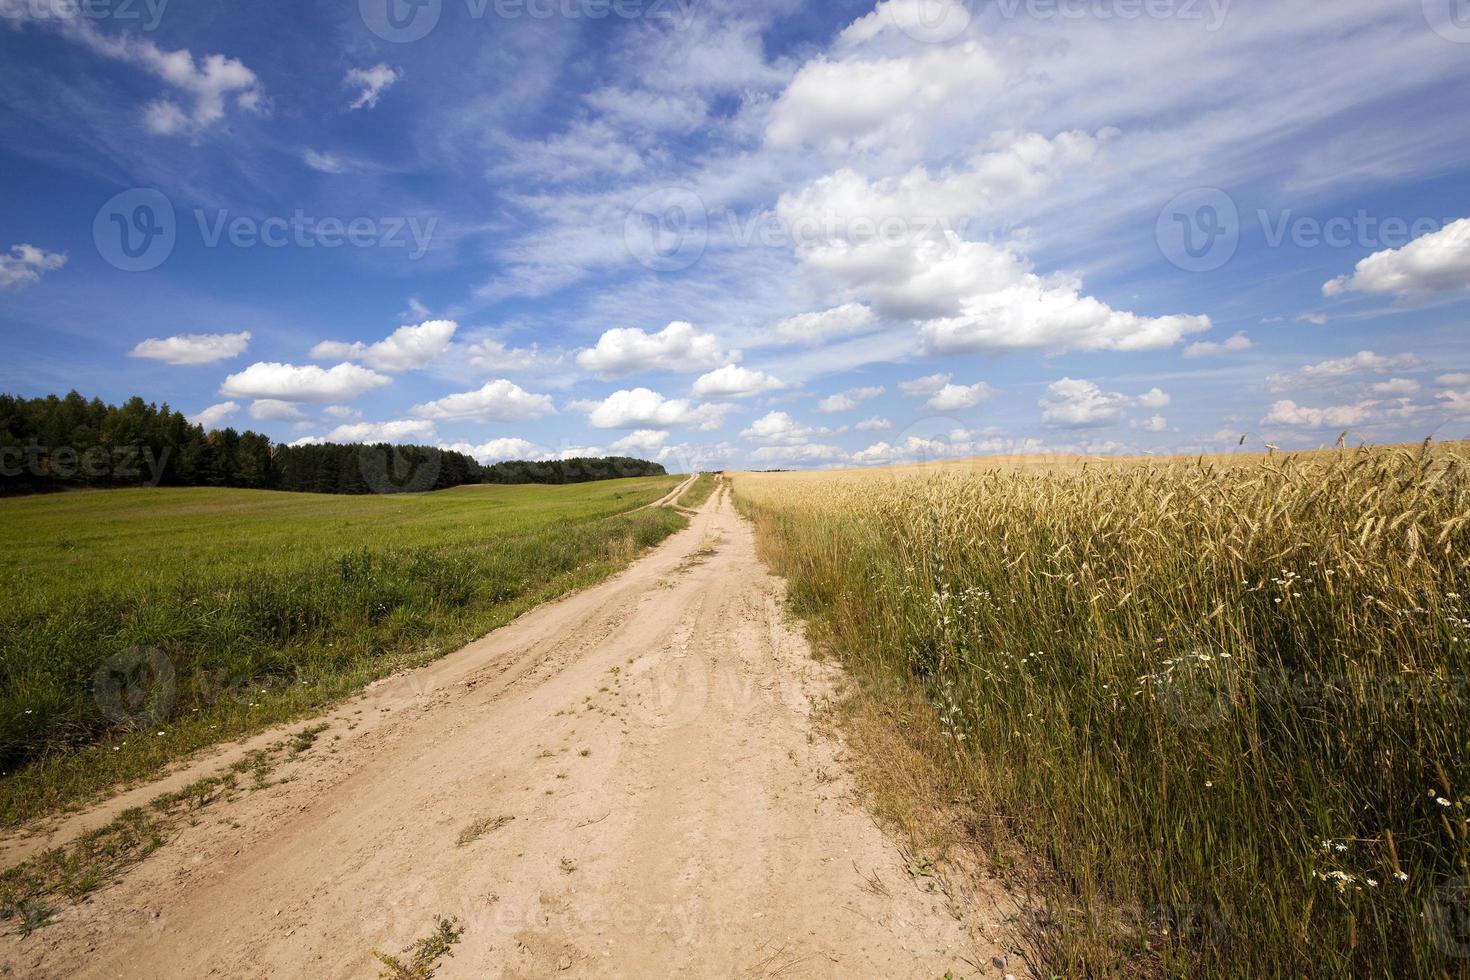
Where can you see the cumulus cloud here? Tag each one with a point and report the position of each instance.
(212, 416)
(641, 441)
(1435, 263)
(273, 410)
(370, 83)
(1153, 398)
(732, 381)
(954, 398)
(858, 103)
(677, 347)
(643, 408)
(780, 429)
(924, 387)
(496, 401)
(501, 450)
(1395, 386)
(1287, 412)
(25, 264)
(1073, 403)
(1324, 372)
(1453, 380)
(399, 432)
(1205, 348)
(816, 328)
(194, 348)
(849, 400)
(874, 424)
(302, 383)
(490, 354)
(407, 349)
(1154, 423)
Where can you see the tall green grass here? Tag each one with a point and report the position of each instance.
(1224, 709)
(142, 624)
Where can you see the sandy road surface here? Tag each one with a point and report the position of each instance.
(673, 812)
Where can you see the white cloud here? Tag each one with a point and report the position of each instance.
(406, 349)
(1457, 403)
(1288, 412)
(273, 410)
(642, 408)
(1315, 319)
(194, 348)
(874, 424)
(780, 429)
(805, 453)
(1395, 386)
(326, 163)
(1205, 348)
(1453, 380)
(372, 83)
(208, 85)
(302, 383)
(496, 401)
(342, 412)
(849, 400)
(25, 264)
(490, 354)
(855, 104)
(1437, 262)
(924, 387)
(1154, 423)
(732, 381)
(212, 416)
(1363, 362)
(400, 431)
(641, 441)
(953, 398)
(677, 347)
(500, 450)
(1153, 398)
(816, 328)
(1073, 404)
(931, 21)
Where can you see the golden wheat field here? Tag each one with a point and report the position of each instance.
(1216, 708)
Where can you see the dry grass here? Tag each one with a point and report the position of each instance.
(1219, 706)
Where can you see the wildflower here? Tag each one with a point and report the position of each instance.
(1441, 801)
(1400, 876)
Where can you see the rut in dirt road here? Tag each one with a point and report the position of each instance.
(624, 783)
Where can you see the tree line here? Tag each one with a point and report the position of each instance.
(55, 443)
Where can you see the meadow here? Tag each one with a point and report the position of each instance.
(141, 625)
(1214, 711)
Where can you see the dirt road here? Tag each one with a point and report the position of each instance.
(652, 795)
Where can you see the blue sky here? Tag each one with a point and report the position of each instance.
(746, 233)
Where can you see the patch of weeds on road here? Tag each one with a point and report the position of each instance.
(481, 827)
(421, 958)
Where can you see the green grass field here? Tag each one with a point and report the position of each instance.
(140, 625)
